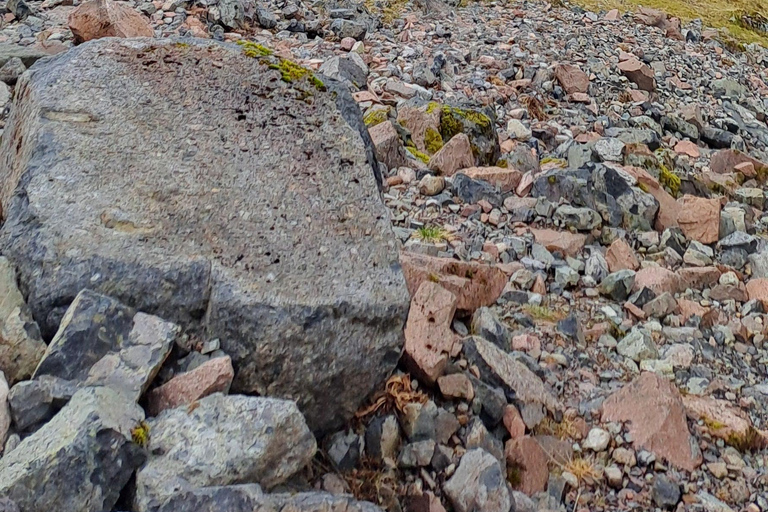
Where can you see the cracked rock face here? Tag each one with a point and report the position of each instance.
(255, 219)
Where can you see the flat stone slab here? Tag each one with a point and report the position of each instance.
(194, 182)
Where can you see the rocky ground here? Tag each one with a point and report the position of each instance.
(579, 203)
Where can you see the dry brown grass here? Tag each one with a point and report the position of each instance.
(397, 393)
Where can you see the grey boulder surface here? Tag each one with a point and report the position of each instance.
(222, 440)
(102, 342)
(250, 498)
(80, 460)
(255, 219)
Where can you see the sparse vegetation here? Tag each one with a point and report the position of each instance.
(431, 234)
(543, 313)
(740, 18)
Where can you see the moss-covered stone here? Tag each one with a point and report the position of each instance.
(375, 117)
(433, 142)
(478, 126)
(669, 180)
(254, 50)
(291, 72)
(423, 157)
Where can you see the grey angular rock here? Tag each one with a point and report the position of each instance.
(759, 263)
(471, 191)
(345, 449)
(349, 67)
(34, 402)
(250, 498)
(638, 345)
(102, 342)
(487, 325)
(209, 237)
(347, 28)
(500, 369)
(618, 285)
(582, 219)
(479, 484)
(28, 54)
(12, 70)
(80, 460)
(265, 18)
(609, 150)
(224, 440)
(417, 455)
(675, 124)
(665, 492)
(19, 8)
(566, 276)
(8, 505)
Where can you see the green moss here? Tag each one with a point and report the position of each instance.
(432, 107)
(433, 142)
(254, 50)
(551, 160)
(452, 120)
(552, 180)
(291, 72)
(514, 474)
(643, 187)
(423, 157)
(181, 45)
(542, 313)
(502, 163)
(375, 117)
(669, 180)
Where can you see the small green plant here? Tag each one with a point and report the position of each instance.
(431, 234)
(422, 157)
(669, 180)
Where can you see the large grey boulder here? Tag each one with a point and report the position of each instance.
(223, 440)
(250, 498)
(196, 183)
(80, 460)
(102, 342)
(479, 484)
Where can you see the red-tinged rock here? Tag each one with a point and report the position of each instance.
(513, 422)
(698, 278)
(723, 292)
(539, 285)
(425, 502)
(757, 289)
(726, 160)
(725, 421)
(568, 243)
(456, 385)
(347, 43)
(746, 168)
(651, 17)
(529, 343)
(196, 28)
(580, 97)
(572, 79)
(636, 311)
(686, 147)
(638, 73)
(429, 340)
(525, 185)
(95, 19)
(423, 125)
(689, 308)
(389, 148)
(454, 156)
(526, 456)
(669, 209)
(506, 179)
(474, 284)
(699, 218)
(620, 256)
(213, 376)
(658, 279)
(657, 422)
(612, 15)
